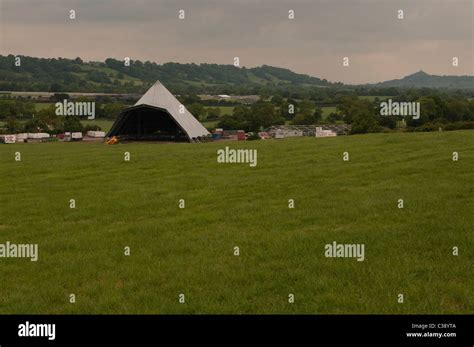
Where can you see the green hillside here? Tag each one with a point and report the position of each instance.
(113, 76)
(421, 79)
(63, 75)
(191, 250)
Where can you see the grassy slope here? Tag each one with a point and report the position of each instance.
(104, 124)
(372, 97)
(282, 250)
(328, 110)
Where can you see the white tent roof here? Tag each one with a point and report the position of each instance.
(159, 96)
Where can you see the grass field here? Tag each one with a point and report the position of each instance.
(42, 105)
(210, 124)
(191, 250)
(104, 124)
(328, 110)
(224, 109)
(372, 97)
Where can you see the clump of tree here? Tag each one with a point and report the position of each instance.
(109, 110)
(360, 113)
(254, 118)
(72, 124)
(335, 117)
(16, 108)
(92, 127)
(13, 126)
(45, 120)
(213, 113)
(197, 110)
(308, 113)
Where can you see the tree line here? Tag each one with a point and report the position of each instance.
(443, 110)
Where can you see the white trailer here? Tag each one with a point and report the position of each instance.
(8, 138)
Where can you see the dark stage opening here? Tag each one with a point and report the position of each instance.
(147, 124)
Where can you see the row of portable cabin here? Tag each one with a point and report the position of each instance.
(218, 134)
(41, 137)
(277, 133)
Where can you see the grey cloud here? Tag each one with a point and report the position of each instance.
(259, 32)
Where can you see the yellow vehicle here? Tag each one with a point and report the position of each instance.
(113, 140)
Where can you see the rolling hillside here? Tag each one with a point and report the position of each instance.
(112, 76)
(38, 74)
(421, 79)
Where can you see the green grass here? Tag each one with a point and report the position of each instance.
(328, 110)
(104, 124)
(224, 109)
(190, 250)
(372, 97)
(42, 105)
(211, 124)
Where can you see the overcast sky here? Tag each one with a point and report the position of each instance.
(379, 46)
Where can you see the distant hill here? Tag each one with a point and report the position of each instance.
(112, 76)
(421, 79)
(66, 75)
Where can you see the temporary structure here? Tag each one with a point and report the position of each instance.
(158, 115)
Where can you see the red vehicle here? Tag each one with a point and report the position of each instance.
(240, 135)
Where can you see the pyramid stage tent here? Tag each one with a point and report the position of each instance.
(158, 116)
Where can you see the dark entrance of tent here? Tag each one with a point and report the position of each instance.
(147, 123)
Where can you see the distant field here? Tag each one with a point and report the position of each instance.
(372, 97)
(327, 111)
(229, 110)
(224, 109)
(210, 124)
(191, 250)
(42, 105)
(104, 124)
